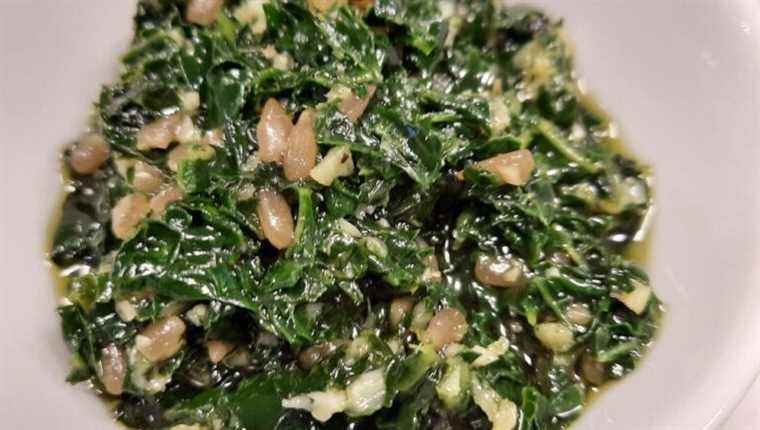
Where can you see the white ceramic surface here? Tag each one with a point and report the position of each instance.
(747, 414)
(682, 77)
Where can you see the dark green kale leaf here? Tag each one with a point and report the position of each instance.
(378, 252)
(82, 235)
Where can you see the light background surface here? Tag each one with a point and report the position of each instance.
(747, 415)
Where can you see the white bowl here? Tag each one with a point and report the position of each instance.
(681, 77)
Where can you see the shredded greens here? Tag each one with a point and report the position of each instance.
(456, 259)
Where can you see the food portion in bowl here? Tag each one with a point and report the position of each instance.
(392, 214)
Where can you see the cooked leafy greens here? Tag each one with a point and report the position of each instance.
(388, 214)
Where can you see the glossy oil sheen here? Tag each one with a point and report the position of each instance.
(684, 89)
